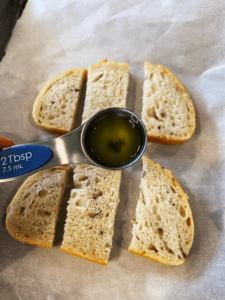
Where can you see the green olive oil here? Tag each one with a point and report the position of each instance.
(113, 141)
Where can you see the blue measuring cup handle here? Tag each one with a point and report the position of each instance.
(19, 160)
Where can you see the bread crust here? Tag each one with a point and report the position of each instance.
(88, 257)
(44, 90)
(113, 64)
(165, 139)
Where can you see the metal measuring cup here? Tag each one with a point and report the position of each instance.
(24, 160)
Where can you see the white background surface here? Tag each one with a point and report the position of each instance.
(188, 37)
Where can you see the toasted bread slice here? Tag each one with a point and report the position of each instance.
(91, 213)
(167, 112)
(33, 212)
(164, 226)
(56, 105)
(107, 86)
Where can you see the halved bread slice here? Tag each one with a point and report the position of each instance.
(164, 226)
(107, 86)
(56, 105)
(91, 213)
(33, 212)
(167, 112)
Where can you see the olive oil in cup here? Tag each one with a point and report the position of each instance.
(115, 139)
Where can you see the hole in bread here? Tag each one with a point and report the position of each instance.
(154, 209)
(107, 215)
(152, 248)
(156, 104)
(142, 198)
(159, 127)
(74, 194)
(151, 112)
(151, 76)
(170, 251)
(163, 114)
(185, 134)
(94, 214)
(39, 121)
(143, 252)
(173, 189)
(157, 199)
(26, 196)
(146, 224)
(96, 195)
(51, 117)
(27, 236)
(153, 87)
(179, 257)
(48, 213)
(63, 112)
(78, 203)
(137, 238)
(107, 245)
(156, 223)
(32, 203)
(189, 221)
(22, 209)
(88, 182)
(162, 75)
(158, 218)
(83, 177)
(173, 124)
(63, 106)
(140, 227)
(182, 211)
(160, 231)
(41, 108)
(171, 133)
(97, 78)
(41, 213)
(42, 193)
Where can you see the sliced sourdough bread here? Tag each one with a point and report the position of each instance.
(91, 213)
(167, 112)
(32, 214)
(107, 86)
(164, 226)
(56, 105)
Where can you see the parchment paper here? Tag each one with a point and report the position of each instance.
(188, 37)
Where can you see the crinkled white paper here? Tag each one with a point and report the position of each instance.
(188, 37)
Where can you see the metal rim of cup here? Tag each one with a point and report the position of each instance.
(120, 112)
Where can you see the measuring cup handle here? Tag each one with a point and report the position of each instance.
(22, 159)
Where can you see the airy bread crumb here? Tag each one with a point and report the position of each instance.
(56, 105)
(107, 86)
(33, 212)
(164, 227)
(167, 112)
(91, 213)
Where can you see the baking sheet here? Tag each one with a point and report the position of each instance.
(188, 37)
